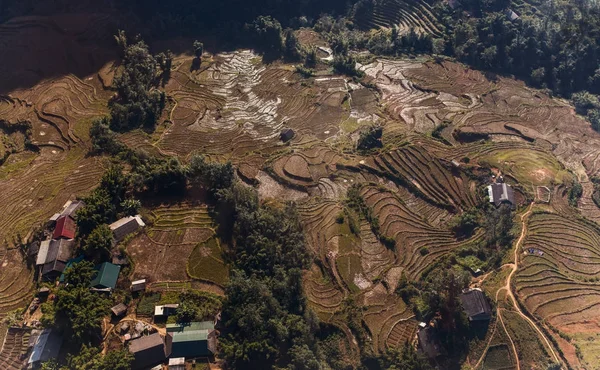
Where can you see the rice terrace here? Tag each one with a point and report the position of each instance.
(335, 185)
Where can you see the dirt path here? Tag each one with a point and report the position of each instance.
(514, 266)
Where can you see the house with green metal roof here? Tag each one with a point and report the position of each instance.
(106, 278)
(195, 339)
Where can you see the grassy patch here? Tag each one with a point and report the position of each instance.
(528, 166)
(16, 163)
(497, 357)
(147, 303)
(348, 267)
(532, 352)
(205, 263)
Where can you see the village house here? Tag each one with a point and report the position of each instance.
(501, 193)
(191, 340)
(475, 305)
(106, 278)
(149, 350)
(65, 228)
(126, 226)
(286, 134)
(53, 256)
(46, 346)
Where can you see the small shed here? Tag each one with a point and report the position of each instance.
(165, 309)
(148, 351)
(195, 339)
(107, 276)
(475, 305)
(126, 226)
(177, 363)
(138, 285)
(65, 228)
(46, 347)
(119, 310)
(286, 134)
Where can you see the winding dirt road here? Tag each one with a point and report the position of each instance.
(507, 287)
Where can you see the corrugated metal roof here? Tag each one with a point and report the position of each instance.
(43, 252)
(46, 347)
(126, 226)
(107, 276)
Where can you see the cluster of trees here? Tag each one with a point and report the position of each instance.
(267, 322)
(197, 306)
(138, 103)
(558, 49)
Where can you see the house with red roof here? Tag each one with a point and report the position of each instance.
(65, 228)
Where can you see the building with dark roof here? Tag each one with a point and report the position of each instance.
(126, 226)
(501, 193)
(46, 347)
(65, 228)
(429, 343)
(119, 310)
(138, 285)
(475, 305)
(195, 339)
(71, 207)
(148, 351)
(107, 276)
(286, 134)
(53, 257)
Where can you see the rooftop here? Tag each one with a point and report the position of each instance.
(475, 305)
(147, 350)
(501, 192)
(126, 226)
(107, 276)
(65, 228)
(46, 347)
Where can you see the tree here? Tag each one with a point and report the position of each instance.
(198, 49)
(370, 138)
(584, 101)
(79, 274)
(104, 140)
(213, 176)
(404, 358)
(90, 358)
(137, 103)
(465, 224)
(99, 243)
(77, 311)
(131, 207)
(266, 33)
(293, 50)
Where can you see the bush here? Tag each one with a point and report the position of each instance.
(464, 224)
(370, 138)
(104, 140)
(584, 101)
(424, 251)
(340, 218)
(575, 192)
(346, 65)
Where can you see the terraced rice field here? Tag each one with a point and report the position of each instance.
(157, 253)
(14, 349)
(406, 15)
(558, 280)
(206, 263)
